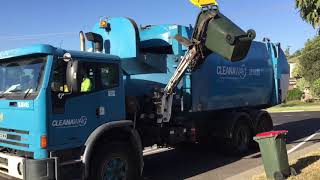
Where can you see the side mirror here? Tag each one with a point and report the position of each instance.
(72, 76)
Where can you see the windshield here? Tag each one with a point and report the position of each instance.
(21, 78)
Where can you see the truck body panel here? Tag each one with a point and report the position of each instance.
(224, 84)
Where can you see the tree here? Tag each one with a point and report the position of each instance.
(296, 54)
(309, 11)
(309, 63)
(287, 52)
(316, 87)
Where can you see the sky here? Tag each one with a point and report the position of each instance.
(58, 22)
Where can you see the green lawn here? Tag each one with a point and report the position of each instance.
(295, 106)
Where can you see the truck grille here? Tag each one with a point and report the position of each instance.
(14, 130)
(3, 161)
(13, 137)
(3, 165)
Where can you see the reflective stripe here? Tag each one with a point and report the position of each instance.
(86, 85)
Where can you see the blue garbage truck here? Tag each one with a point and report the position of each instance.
(88, 114)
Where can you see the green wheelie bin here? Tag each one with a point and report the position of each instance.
(223, 36)
(274, 154)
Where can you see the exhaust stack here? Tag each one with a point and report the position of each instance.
(97, 41)
(82, 41)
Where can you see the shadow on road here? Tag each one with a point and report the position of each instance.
(183, 164)
(300, 129)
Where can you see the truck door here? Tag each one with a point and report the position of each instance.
(111, 98)
(75, 115)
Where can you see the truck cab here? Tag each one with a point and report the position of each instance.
(46, 114)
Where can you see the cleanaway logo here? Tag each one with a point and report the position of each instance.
(232, 71)
(238, 72)
(70, 123)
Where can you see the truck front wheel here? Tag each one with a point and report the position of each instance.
(114, 161)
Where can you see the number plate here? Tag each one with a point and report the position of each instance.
(3, 136)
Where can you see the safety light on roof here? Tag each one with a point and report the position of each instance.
(103, 24)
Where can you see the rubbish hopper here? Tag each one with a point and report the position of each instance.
(274, 154)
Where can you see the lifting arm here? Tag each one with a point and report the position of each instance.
(192, 59)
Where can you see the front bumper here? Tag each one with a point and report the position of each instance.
(18, 168)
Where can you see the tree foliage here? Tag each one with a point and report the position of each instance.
(287, 52)
(316, 87)
(296, 54)
(309, 63)
(309, 11)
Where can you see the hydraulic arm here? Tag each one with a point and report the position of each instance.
(213, 32)
(192, 59)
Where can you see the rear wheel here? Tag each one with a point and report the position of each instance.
(114, 161)
(241, 137)
(265, 123)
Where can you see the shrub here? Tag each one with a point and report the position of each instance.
(316, 87)
(294, 94)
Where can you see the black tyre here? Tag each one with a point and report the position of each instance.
(239, 144)
(265, 123)
(114, 161)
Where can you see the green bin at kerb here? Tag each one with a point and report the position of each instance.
(274, 154)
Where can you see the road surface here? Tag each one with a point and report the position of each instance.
(207, 164)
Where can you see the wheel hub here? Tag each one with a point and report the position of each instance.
(115, 169)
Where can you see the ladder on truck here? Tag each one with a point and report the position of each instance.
(191, 60)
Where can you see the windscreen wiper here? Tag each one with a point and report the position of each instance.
(2, 95)
(27, 93)
(15, 90)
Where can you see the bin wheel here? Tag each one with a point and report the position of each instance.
(293, 171)
(114, 161)
(241, 138)
(278, 176)
(251, 34)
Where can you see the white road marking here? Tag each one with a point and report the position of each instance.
(156, 151)
(151, 148)
(303, 142)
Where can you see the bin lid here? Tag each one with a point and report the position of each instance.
(272, 133)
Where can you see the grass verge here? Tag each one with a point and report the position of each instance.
(307, 167)
(295, 106)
